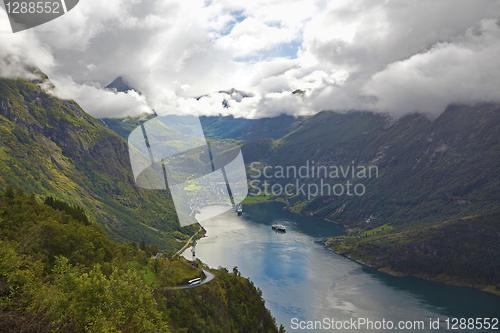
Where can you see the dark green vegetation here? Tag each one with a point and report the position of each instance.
(463, 251)
(51, 147)
(235, 297)
(428, 171)
(58, 274)
(74, 211)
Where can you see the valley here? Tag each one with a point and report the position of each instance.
(432, 181)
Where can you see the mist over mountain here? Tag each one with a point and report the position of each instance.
(119, 84)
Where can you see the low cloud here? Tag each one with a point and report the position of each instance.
(466, 70)
(19, 53)
(103, 102)
(393, 57)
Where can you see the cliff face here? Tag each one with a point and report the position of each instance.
(51, 146)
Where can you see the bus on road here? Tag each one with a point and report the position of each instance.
(194, 281)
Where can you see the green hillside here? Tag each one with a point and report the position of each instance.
(428, 171)
(124, 126)
(59, 274)
(52, 147)
(434, 209)
(464, 251)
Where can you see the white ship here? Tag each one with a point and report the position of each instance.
(278, 227)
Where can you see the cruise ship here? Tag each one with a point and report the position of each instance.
(278, 227)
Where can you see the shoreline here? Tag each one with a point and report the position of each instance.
(396, 273)
(262, 201)
(383, 270)
(399, 274)
(259, 202)
(292, 211)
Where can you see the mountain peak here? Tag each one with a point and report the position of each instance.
(119, 84)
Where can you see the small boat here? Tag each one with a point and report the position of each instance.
(239, 209)
(278, 227)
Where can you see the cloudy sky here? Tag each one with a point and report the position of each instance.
(391, 56)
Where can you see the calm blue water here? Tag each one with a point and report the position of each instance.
(302, 279)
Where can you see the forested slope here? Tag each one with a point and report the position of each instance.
(58, 273)
(428, 170)
(464, 251)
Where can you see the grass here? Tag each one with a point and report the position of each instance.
(180, 270)
(298, 206)
(146, 271)
(492, 289)
(379, 230)
(184, 271)
(260, 198)
(192, 187)
(149, 275)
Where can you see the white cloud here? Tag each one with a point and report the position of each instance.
(101, 102)
(252, 35)
(387, 56)
(18, 50)
(466, 70)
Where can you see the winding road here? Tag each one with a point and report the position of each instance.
(187, 244)
(210, 276)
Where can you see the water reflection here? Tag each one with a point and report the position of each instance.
(302, 279)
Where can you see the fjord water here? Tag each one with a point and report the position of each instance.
(300, 278)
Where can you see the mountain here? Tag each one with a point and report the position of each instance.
(463, 251)
(249, 129)
(428, 197)
(423, 170)
(220, 128)
(428, 170)
(119, 84)
(52, 147)
(431, 207)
